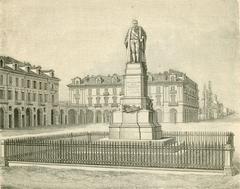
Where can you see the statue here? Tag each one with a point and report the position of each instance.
(135, 42)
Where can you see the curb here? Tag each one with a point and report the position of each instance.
(119, 168)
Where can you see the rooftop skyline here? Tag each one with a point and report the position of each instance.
(79, 38)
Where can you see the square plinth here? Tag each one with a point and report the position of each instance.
(139, 125)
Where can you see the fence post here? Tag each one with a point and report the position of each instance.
(228, 168)
(3, 152)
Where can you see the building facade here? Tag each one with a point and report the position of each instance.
(29, 96)
(93, 98)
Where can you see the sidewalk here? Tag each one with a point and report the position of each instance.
(41, 131)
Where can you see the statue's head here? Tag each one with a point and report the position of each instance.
(134, 23)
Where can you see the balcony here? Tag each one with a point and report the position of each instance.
(41, 103)
(29, 103)
(114, 105)
(106, 93)
(3, 101)
(55, 104)
(18, 102)
(172, 104)
(97, 105)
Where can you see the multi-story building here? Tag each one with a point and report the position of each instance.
(93, 98)
(28, 95)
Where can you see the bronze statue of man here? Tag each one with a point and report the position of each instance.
(135, 42)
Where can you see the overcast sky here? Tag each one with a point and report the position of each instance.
(78, 38)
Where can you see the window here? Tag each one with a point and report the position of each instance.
(17, 82)
(172, 78)
(46, 97)
(22, 81)
(114, 91)
(16, 95)
(1, 79)
(29, 97)
(106, 101)
(40, 98)
(10, 80)
(23, 96)
(172, 87)
(52, 87)
(34, 84)
(173, 98)
(52, 98)
(34, 97)
(90, 101)
(158, 98)
(9, 95)
(15, 66)
(28, 84)
(158, 90)
(45, 86)
(40, 85)
(98, 91)
(99, 80)
(1, 63)
(114, 100)
(2, 94)
(89, 92)
(97, 100)
(106, 93)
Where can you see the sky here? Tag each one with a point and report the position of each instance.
(79, 38)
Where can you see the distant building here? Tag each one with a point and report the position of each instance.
(93, 98)
(29, 96)
(210, 107)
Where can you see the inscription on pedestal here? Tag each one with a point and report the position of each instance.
(133, 86)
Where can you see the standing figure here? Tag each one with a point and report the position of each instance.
(135, 42)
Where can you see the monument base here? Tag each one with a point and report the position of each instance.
(139, 125)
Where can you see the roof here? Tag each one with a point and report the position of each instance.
(20, 68)
(118, 79)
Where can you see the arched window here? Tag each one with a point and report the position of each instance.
(172, 78)
(115, 79)
(150, 78)
(98, 116)
(72, 116)
(1, 63)
(173, 115)
(98, 80)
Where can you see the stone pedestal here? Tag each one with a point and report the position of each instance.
(138, 120)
